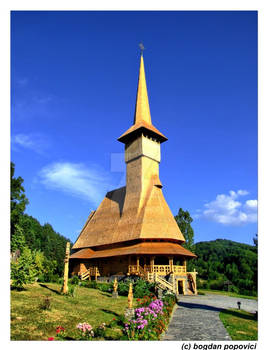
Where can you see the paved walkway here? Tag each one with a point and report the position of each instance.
(197, 317)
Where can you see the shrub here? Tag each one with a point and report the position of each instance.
(92, 284)
(100, 330)
(123, 288)
(142, 287)
(84, 284)
(216, 284)
(71, 290)
(169, 298)
(233, 289)
(24, 270)
(105, 287)
(74, 280)
(46, 304)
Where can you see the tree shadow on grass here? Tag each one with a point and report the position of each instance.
(106, 295)
(238, 314)
(18, 289)
(110, 312)
(52, 290)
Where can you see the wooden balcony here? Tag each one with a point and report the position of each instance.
(159, 269)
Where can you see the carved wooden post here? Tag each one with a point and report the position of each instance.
(130, 296)
(115, 293)
(66, 269)
(152, 263)
(96, 274)
(170, 260)
(129, 312)
(115, 284)
(195, 286)
(138, 263)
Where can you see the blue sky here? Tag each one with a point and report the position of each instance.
(73, 87)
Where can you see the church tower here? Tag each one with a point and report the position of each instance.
(133, 231)
(142, 145)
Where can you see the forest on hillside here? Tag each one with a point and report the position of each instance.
(223, 264)
(37, 251)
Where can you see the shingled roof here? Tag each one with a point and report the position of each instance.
(118, 219)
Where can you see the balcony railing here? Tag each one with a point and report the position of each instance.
(159, 269)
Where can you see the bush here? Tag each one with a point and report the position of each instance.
(46, 304)
(71, 290)
(233, 289)
(84, 284)
(123, 288)
(92, 284)
(74, 280)
(105, 287)
(48, 277)
(169, 298)
(142, 287)
(216, 284)
(24, 270)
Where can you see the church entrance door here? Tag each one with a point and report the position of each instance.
(180, 287)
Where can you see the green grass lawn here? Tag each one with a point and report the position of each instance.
(230, 294)
(30, 322)
(241, 325)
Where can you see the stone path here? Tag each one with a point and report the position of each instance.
(197, 317)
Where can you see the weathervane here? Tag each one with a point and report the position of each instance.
(141, 47)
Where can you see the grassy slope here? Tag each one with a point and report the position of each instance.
(230, 294)
(29, 322)
(241, 325)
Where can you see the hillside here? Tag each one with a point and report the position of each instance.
(222, 260)
(45, 239)
(38, 246)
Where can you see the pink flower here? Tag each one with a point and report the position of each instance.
(51, 338)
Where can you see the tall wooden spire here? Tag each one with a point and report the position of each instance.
(142, 112)
(142, 117)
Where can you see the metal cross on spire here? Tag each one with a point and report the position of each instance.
(141, 47)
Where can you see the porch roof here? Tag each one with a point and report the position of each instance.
(143, 248)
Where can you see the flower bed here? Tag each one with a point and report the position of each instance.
(150, 319)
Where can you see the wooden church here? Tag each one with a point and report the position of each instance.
(133, 231)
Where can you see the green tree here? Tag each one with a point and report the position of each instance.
(24, 270)
(184, 221)
(17, 197)
(18, 240)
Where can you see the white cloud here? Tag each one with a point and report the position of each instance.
(76, 179)
(251, 204)
(35, 142)
(242, 192)
(227, 210)
(23, 140)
